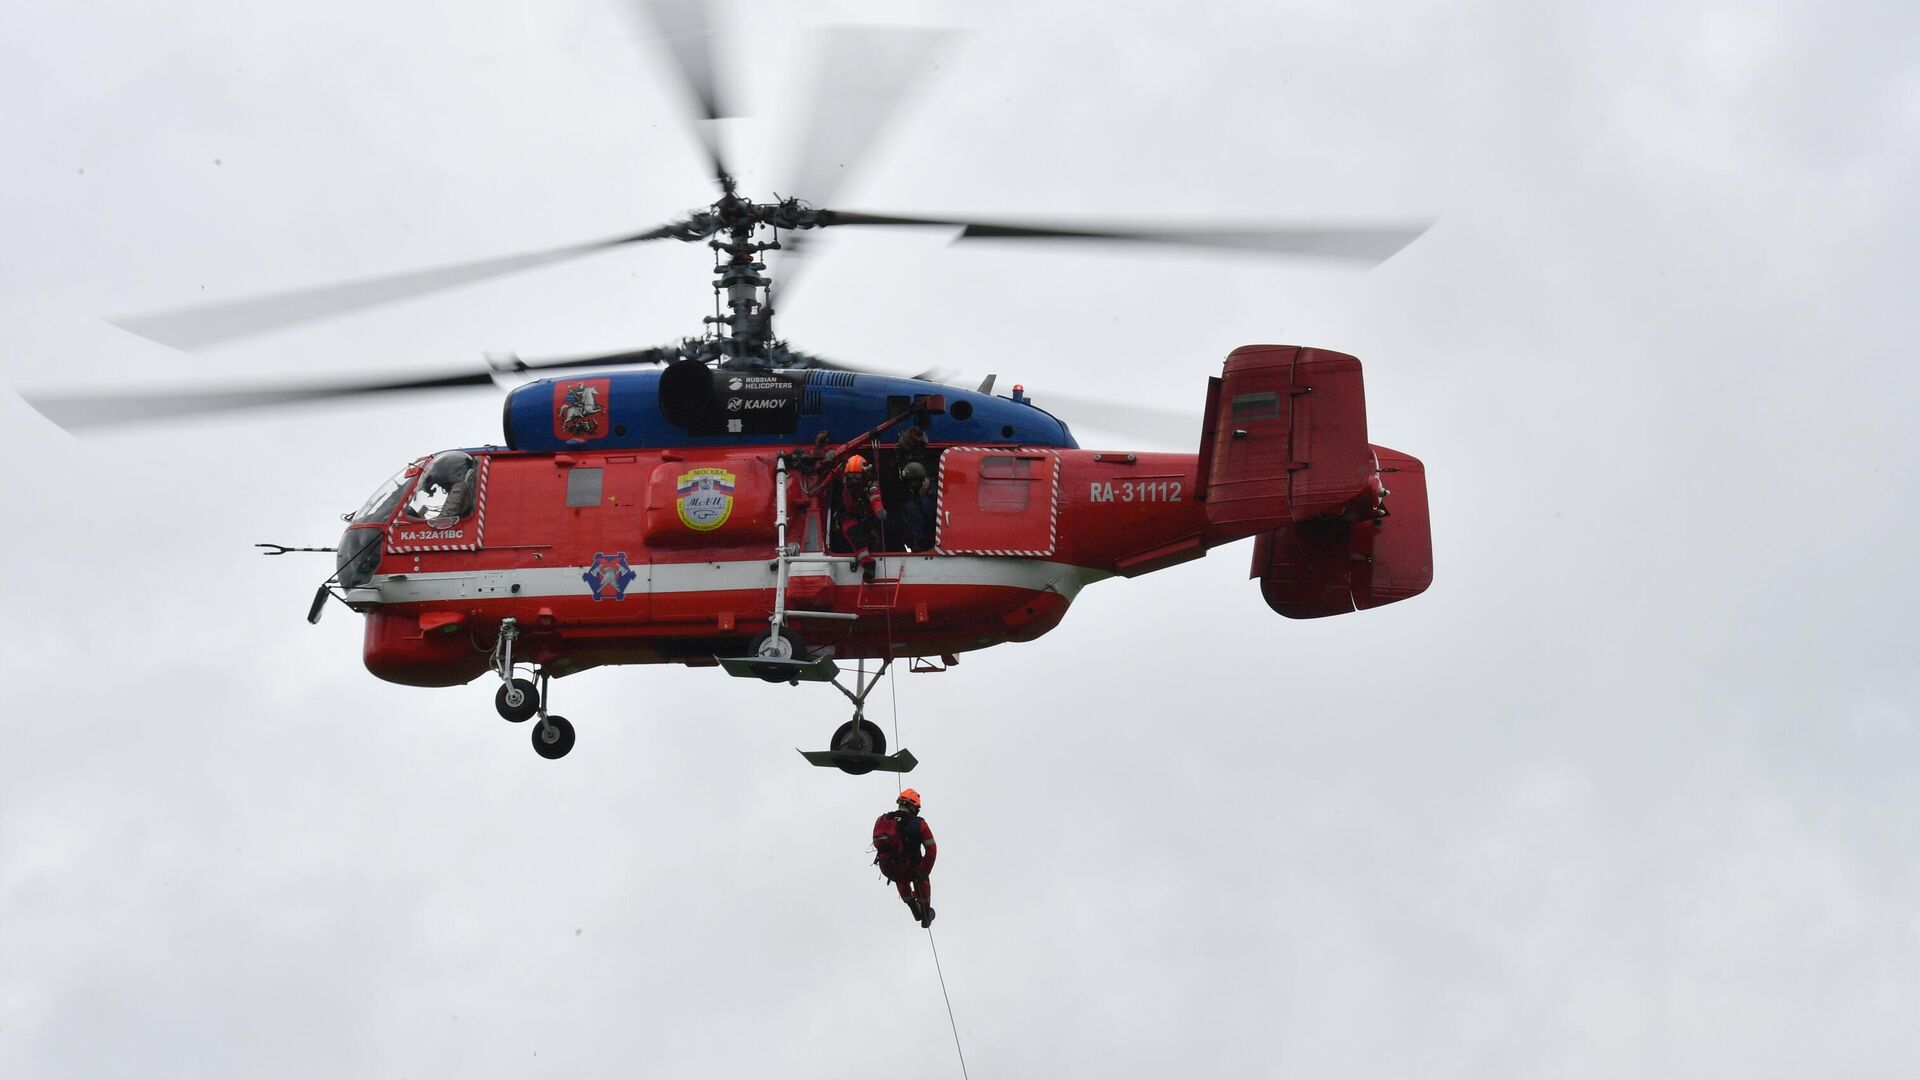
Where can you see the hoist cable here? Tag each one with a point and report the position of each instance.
(949, 1000)
(893, 690)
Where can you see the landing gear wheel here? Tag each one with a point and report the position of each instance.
(781, 644)
(517, 701)
(860, 736)
(553, 737)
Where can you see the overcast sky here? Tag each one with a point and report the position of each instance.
(1628, 792)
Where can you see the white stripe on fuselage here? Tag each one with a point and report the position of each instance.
(1031, 575)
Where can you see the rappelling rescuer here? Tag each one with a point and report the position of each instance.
(904, 850)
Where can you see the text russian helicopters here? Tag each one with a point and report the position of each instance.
(681, 505)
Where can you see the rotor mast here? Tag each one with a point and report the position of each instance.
(740, 280)
(742, 321)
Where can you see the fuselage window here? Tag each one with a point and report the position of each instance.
(445, 490)
(583, 486)
(1005, 482)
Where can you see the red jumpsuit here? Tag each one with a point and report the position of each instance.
(909, 870)
(860, 509)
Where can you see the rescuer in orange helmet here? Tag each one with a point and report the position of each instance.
(861, 511)
(904, 850)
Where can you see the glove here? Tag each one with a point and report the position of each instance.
(880, 514)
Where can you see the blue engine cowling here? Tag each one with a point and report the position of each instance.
(691, 405)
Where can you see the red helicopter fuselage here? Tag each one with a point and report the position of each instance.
(634, 556)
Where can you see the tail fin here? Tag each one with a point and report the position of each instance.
(1340, 524)
(1285, 438)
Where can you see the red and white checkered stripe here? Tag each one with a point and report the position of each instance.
(1053, 507)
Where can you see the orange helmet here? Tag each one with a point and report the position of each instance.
(911, 796)
(856, 463)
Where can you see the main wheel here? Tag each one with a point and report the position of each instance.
(516, 701)
(553, 738)
(859, 736)
(781, 645)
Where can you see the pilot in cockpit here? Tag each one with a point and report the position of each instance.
(445, 493)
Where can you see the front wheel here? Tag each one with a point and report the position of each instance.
(553, 737)
(516, 701)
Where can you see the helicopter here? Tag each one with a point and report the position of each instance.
(684, 503)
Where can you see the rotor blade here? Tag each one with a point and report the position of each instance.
(1172, 428)
(687, 30)
(202, 326)
(619, 359)
(1370, 244)
(1177, 429)
(865, 73)
(793, 358)
(80, 412)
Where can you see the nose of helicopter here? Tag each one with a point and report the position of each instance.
(357, 555)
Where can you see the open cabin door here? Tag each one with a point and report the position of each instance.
(998, 501)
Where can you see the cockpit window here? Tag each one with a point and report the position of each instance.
(379, 506)
(445, 490)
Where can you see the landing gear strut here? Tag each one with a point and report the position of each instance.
(859, 746)
(519, 700)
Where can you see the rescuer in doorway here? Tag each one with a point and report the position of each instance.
(904, 850)
(862, 511)
(914, 517)
(912, 449)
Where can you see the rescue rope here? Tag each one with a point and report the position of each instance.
(949, 1001)
(899, 784)
(893, 691)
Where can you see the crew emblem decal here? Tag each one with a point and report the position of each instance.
(609, 576)
(580, 408)
(705, 498)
